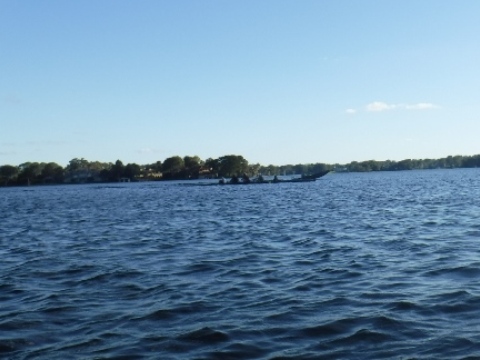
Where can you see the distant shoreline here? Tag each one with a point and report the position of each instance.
(81, 171)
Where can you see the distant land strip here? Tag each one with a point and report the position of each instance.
(80, 170)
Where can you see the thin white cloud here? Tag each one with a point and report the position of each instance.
(421, 106)
(379, 106)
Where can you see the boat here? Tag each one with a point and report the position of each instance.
(258, 181)
(275, 180)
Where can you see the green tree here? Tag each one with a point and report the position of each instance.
(116, 171)
(52, 173)
(77, 164)
(356, 166)
(192, 162)
(319, 167)
(301, 169)
(131, 171)
(472, 161)
(150, 169)
(172, 166)
(405, 165)
(230, 165)
(254, 169)
(287, 170)
(157, 167)
(29, 173)
(271, 170)
(192, 166)
(213, 165)
(7, 173)
(97, 166)
(454, 161)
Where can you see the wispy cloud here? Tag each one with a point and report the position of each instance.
(421, 106)
(380, 106)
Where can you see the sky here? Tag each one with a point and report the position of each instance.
(278, 82)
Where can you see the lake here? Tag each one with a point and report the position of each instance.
(379, 265)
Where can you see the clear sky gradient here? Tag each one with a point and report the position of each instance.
(279, 82)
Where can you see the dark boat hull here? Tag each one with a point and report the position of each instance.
(307, 178)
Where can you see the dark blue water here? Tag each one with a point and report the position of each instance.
(353, 266)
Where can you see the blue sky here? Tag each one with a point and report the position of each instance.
(279, 82)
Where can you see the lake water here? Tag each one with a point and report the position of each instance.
(352, 266)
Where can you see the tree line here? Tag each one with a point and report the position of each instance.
(80, 170)
(449, 162)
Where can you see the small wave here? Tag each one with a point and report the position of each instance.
(6, 346)
(364, 336)
(17, 325)
(95, 278)
(305, 262)
(58, 309)
(131, 288)
(404, 305)
(453, 295)
(467, 309)
(461, 271)
(12, 345)
(452, 347)
(301, 288)
(304, 242)
(182, 310)
(205, 335)
(270, 280)
(386, 322)
(199, 268)
(333, 328)
(162, 314)
(82, 344)
(239, 351)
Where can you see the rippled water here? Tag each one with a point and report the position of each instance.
(353, 266)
